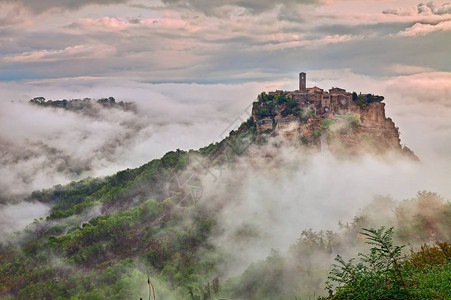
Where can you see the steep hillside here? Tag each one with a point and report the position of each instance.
(104, 235)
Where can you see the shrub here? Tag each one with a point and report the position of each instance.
(378, 275)
(432, 255)
(385, 274)
(354, 121)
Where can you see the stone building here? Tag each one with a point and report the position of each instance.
(322, 101)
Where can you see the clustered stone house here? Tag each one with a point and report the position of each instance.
(322, 101)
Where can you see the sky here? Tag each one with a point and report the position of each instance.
(227, 41)
(193, 67)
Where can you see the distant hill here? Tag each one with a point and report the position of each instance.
(85, 105)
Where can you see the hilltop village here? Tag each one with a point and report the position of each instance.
(316, 100)
(347, 121)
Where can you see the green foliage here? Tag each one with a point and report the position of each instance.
(353, 121)
(154, 233)
(262, 113)
(281, 99)
(285, 113)
(263, 98)
(248, 125)
(317, 133)
(57, 214)
(68, 196)
(291, 108)
(430, 271)
(437, 255)
(378, 275)
(145, 181)
(283, 276)
(102, 249)
(261, 280)
(291, 104)
(370, 98)
(360, 101)
(366, 99)
(83, 104)
(425, 217)
(385, 274)
(109, 256)
(326, 123)
(230, 147)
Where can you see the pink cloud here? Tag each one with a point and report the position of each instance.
(13, 15)
(290, 41)
(423, 29)
(106, 23)
(118, 24)
(170, 23)
(75, 52)
(434, 87)
(409, 69)
(421, 9)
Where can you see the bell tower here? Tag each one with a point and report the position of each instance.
(302, 81)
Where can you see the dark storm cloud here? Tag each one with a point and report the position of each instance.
(45, 5)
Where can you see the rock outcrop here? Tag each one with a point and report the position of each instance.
(349, 123)
(359, 128)
(369, 131)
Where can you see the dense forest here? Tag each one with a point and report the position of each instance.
(122, 236)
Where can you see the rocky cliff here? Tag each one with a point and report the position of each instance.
(359, 128)
(368, 131)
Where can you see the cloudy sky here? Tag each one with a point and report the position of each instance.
(194, 66)
(225, 41)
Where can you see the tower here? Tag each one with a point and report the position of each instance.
(302, 81)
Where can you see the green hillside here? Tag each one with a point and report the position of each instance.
(138, 229)
(104, 236)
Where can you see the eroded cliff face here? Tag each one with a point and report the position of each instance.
(370, 131)
(359, 129)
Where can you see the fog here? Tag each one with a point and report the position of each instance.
(267, 200)
(42, 147)
(14, 217)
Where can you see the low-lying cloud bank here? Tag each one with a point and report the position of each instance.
(42, 147)
(14, 217)
(283, 190)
